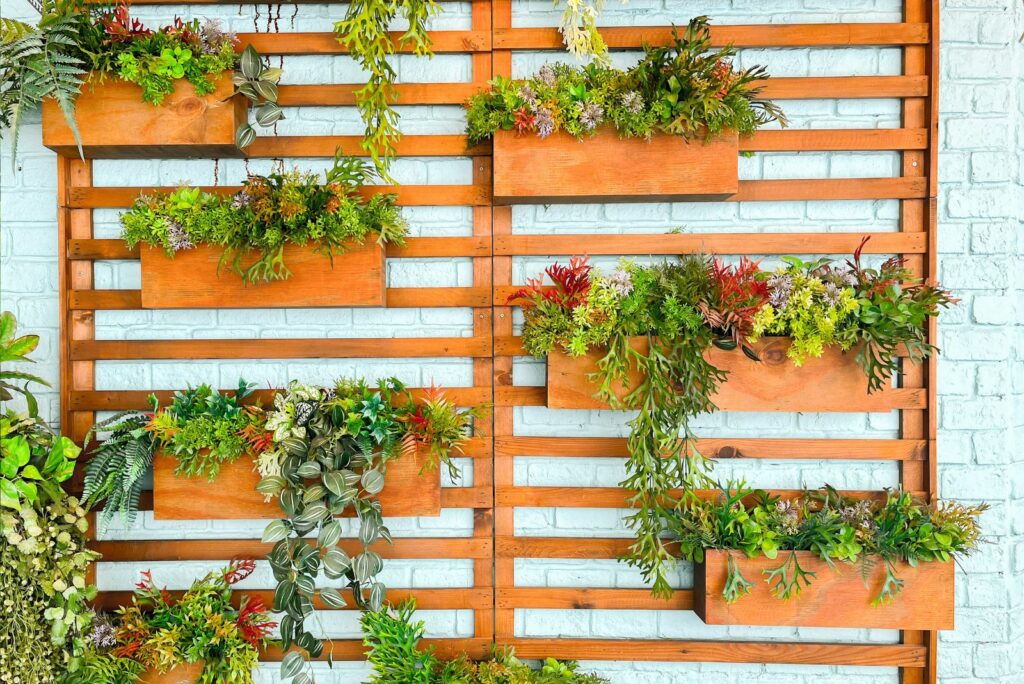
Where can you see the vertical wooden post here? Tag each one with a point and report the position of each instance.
(918, 215)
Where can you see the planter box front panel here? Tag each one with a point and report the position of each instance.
(836, 597)
(834, 382)
(606, 168)
(115, 122)
(191, 279)
(233, 495)
(187, 673)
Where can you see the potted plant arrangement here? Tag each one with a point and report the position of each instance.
(851, 563)
(203, 637)
(172, 90)
(303, 242)
(43, 533)
(672, 121)
(321, 452)
(392, 638)
(654, 339)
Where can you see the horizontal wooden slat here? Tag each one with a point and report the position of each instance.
(591, 599)
(408, 195)
(327, 43)
(891, 400)
(341, 95)
(781, 449)
(413, 347)
(711, 243)
(615, 497)
(415, 247)
(756, 35)
(426, 599)
(398, 298)
(274, 146)
(823, 140)
(844, 87)
(163, 550)
(477, 648)
(882, 655)
(778, 88)
(120, 400)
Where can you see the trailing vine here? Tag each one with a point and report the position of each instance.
(679, 310)
(329, 454)
(364, 32)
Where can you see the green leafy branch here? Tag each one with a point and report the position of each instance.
(364, 33)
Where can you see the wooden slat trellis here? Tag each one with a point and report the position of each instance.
(494, 547)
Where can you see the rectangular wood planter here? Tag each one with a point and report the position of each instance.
(116, 123)
(186, 673)
(233, 496)
(560, 169)
(834, 382)
(191, 279)
(836, 597)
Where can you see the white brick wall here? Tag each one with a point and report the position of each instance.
(981, 372)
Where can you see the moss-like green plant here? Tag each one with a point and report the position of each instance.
(268, 214)
(684, 89)
(836, 528)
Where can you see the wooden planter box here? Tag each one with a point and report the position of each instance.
(115, 122)
(191, 279)
(836, 597)
(233, 496)
(560, 169)
(835, 382)
(187, 673)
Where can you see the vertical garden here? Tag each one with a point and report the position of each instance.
(421, 341)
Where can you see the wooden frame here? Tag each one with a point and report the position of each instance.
(834, 382)
(837, 596)
(116, 123)
(561, 169)
(914, 449)
(409, 490)
(79, 250)
(194, 279)
(494, 546)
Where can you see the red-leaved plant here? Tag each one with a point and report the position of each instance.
(570, 287)
(736, 296)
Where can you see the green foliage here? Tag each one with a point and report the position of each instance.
(330, 449)
(393, 639)
(33, 462)
(579, 29)
(684, 307)
(365, 34)
(157, 633)
(115, 472)
(812, 304)
(43, 564)
(684, 89)
(836, 528)
(892, 316)
(156, 60)
(440, 426)
(268, 214)
(38, 63)
(257, 82)
(52, 59)
(16, 349)
(204, 429)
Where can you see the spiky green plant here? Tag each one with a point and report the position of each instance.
(115, 472)
(40, 62)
